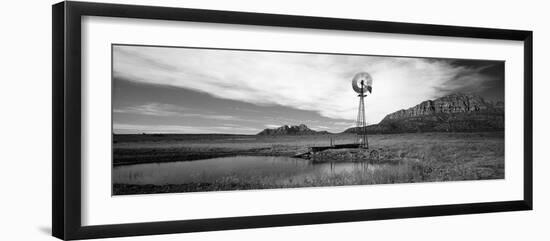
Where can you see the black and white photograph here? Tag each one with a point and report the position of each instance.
(275, 120)
(192, 119)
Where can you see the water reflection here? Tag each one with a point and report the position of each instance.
(243, 168)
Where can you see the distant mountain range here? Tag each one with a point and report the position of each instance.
(291, 130)
(452, 113)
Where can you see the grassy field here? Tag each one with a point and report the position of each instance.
(406, 158)
(133, 149)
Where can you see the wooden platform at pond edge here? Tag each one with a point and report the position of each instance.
(315, 149)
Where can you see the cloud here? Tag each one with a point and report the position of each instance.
(321, 127)
(121, 128)
(320, 83)
(169, 110)
(342, 123)
(153, 109)
(468, 79)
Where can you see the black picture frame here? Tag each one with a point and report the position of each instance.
(66, 127)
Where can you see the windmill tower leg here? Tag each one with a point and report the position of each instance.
(361, 124)
(358, 125)
(366, 140)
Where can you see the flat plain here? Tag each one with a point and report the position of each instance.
(404, 158)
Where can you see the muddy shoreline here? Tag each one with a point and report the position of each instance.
(142, 156)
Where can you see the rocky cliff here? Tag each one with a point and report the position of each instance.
(455, 112)
(291, 130)
(455, 103)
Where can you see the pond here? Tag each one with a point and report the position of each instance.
(276, 169)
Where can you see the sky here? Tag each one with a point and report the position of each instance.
(197, 90)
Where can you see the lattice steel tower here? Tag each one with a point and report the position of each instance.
(362, 83)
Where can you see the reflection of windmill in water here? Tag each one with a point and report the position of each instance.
(362, 83)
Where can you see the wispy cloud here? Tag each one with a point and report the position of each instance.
(321, 127)
(121, 128)
(319, 83)
(169, 110)
(467, 79)
(153, 109)
(342, 123)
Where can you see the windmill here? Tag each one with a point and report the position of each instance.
(362, 83)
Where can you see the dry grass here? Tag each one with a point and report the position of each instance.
(417, 157)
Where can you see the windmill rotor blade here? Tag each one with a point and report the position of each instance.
(360, 81)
